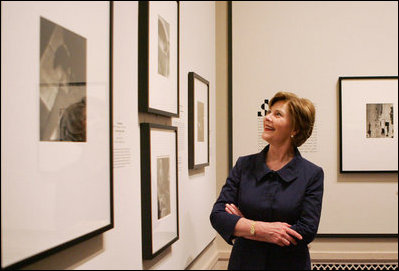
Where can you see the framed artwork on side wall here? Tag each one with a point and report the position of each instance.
(56, 127)
(159, 188)
(198, 121)
(158, 58)
(368, 124)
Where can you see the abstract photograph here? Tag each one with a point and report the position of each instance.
(163, 186)
(163, 47)
(200, 121)
(379, 120)
(62, 84)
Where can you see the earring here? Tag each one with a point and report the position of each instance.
(292, 136)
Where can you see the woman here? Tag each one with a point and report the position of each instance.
(271, 202)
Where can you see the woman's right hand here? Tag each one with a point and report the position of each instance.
(233, 210)
(278, 233)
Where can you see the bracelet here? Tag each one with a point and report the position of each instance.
(252, 229)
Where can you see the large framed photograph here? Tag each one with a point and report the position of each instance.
(56, 127)
(198, 121)
(158, 57)
(159, 188)
(369, 124)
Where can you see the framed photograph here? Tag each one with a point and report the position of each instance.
(158, 58)
(198, 121)
(159, 188)
(56, 127)
(369, 124)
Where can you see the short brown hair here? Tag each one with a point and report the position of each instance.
(303, 115)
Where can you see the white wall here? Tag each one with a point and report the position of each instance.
(196, 187)
(304, 47)
(120, 247)
(322, 249)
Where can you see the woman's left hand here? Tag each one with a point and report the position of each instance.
(233, 210)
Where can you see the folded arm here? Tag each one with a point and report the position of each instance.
(223, 222)
(278, 233)
(308, 222)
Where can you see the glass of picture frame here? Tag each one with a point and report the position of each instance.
(159, 188)
(56, 136)
(198, 121)
(368, 124)
(158, 57)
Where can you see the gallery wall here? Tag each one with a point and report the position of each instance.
(196, 187)
(322, 249)
(304, 47)
(120, 247)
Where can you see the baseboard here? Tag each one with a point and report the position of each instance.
(328, 258)
(224, 255)
(213, 261)
(217, 258)
(322, 256)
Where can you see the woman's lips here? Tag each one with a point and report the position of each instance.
(268, 128)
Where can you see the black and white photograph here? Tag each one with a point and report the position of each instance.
(56, 128)
(198, 121)
(163, 186)
(368, 121)
(63, 57)
(158, 58)
(159, 186)
(163, 47)
(379, 121)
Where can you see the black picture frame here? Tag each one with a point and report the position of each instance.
(57, 239)
(365, 101)
(198, 121)
(156, 143)
(158, 91)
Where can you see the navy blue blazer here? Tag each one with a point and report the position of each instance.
(292, 194)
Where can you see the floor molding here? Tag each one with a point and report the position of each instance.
(320, 260)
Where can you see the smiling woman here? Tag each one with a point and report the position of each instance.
(271, 202)
(296, 115)
(278, 125)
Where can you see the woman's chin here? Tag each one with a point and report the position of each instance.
(266, 137)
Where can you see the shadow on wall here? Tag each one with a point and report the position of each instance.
(151, 264)
(71, 258)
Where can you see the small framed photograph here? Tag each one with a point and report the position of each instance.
(369, 124)
(56, 119)
(159, 57)
(159, 188)
(198, 121)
